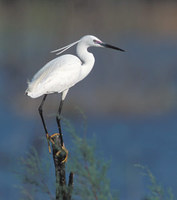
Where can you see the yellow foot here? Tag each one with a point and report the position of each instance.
(62, 148)
(66, 151)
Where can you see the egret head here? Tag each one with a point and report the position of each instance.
(92, 41)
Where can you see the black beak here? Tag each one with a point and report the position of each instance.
(111, 47)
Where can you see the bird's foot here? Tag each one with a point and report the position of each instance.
(63, 152)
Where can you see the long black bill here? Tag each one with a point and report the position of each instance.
(111, 47)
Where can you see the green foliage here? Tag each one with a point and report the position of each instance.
(90, 181)
(34, 174)
(157, 191)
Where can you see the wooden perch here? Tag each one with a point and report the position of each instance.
(63, 191)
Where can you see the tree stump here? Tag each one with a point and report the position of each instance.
(63, 191)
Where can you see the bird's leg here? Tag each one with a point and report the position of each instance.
(58, 118)
(43, 122)
(41, 113)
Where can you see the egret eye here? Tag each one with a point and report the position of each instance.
(96, 42)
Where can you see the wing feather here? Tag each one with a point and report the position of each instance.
(57, 75)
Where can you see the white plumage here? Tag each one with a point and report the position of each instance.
(56, 76)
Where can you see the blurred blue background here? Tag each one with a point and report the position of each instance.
(130, 99)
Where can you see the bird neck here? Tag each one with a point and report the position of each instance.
(83, 54)
(86, 58)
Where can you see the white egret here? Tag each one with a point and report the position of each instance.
(63, 72)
